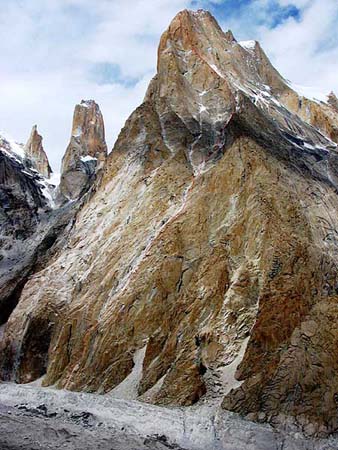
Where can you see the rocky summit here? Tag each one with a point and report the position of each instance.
(86, 151)
(35, 153)
(198, 260)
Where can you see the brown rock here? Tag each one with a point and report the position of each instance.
(36, 154)
(333, 101)
(86, 151)
(210, 242)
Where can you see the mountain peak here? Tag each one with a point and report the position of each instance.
(204, 263)
(86, 151)
(229, 36)
(333, 100)
(199, 13)
(35, 152)
(88, 104)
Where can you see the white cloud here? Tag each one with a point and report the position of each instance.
(304, 49)
(301, 49)
(49, 49)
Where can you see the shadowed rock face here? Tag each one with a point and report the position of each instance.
(21, 202)
(36, 154)
(204, 264)
(30, 227)
(86, 151)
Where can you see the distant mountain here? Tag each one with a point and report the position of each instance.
(34, 151)
(34, 212)
(86, 151)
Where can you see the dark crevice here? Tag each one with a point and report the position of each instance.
(8, 305)
(34, 351)
(38, 261)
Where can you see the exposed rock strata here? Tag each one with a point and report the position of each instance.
(210, 244)
(86, 151)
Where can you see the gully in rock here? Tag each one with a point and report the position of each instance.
(189, 276)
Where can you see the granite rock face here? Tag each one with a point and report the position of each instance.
(86, 151)
(36, 155)
(203, 264)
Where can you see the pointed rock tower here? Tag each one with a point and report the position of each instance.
(36, 154)
(205, 263)
(333, 100)
(86, 151)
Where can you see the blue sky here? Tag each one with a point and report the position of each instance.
(55, 53)
(273, 13)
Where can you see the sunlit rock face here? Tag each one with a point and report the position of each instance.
(86, 151)
(203, 264)
(36, 155)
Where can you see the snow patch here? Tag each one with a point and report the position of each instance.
(152, 392)
(228, 372)
(77, 132)
(16, 148)
(16, 151)
(47, 191)
(11, 148)
(248, 45)
(88, 158)
(86, 103)
(216, 69)
(37, 382)
(128, 388)
(309, 146)
(54, 179)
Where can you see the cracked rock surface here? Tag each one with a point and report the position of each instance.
(202, 266)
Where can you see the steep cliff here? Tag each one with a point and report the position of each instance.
(36, 155)
(204, 264)
(86, 151)
(24, 197)
(32, 222)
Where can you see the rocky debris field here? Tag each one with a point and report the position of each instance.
(33, 418)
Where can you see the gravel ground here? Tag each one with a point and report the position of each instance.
(24, 430)
(33, 418)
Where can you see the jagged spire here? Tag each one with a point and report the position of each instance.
(229, 36)
(333, 100)
(35, 153)
(86, 151)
